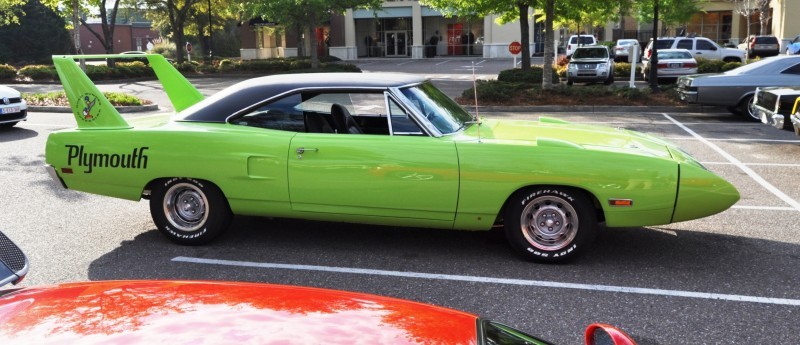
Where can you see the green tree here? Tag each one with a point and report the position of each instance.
(670, 12)
(303, 15)
(108, 23)
(172, 17)
(40, 33)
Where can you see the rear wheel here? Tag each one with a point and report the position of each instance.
(732, 59)
(569, 82)
(550, 224)
(189, 211)
(748, 109)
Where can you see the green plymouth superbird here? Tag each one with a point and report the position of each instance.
(373, 148)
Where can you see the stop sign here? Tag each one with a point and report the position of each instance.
(188, 47)
(515, 48)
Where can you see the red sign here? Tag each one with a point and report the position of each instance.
(515, 48)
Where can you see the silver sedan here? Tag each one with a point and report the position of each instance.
(734, 89)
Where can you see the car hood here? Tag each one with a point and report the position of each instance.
(6, 91)
(181, 312)
(593, 60)
(553, 132)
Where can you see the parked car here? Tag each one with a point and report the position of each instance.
(622, 47)
(672, 63)
(205, 312)
(388, 149)
(700, 47)
(576, 41)
(763, 46)
(591, 64)
(734, 89)
(793, 48)
(775, 105)
(13, 108)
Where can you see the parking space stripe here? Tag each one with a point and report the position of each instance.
(739, 140)
(445, 61)
(492, 280)
(786, 165)
(755, 176)
(764, 208)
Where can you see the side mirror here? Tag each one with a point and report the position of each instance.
(602, 334)
(13, 262)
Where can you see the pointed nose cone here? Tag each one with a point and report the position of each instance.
(702, 193)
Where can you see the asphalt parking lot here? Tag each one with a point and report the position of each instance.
(727, 279)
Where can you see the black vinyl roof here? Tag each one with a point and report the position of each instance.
(249, 92)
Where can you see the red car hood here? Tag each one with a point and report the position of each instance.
(180, 312)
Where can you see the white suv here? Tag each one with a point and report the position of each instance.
(700, 47)
(579, 40)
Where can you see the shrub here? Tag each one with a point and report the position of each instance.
(7, 72)
(730, 65)
(632, 93)
(186, 67)
(492, 91)
(609, 44)
(622, 70)
(39, 72)
(98, 72)
(709, 66)
(562, 71)
(562, 60)
(516, 75)
(118, 98)
(164, 47)
(227, 65)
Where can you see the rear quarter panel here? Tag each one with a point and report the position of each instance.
(245, 162)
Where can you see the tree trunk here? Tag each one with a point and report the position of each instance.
(313, 31)
(764, 16)
(525, 36)
(549, 42)
(301, 51)
(654, 51)
(76, 32)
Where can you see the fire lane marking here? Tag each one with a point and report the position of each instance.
(492, 280)
(755, 176)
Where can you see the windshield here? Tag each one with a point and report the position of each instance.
(444, 113)
(591, 53)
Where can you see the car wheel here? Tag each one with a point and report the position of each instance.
(748, 110)
(550, 224)
(569, 82)
(189, 211)
(8, 124)
(731, 59)
(609, 80)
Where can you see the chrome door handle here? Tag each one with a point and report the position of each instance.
(302, 150)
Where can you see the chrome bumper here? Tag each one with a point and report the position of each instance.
(54, 175)
(796, 123)
(770, 118)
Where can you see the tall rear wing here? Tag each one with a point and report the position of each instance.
(91, 108)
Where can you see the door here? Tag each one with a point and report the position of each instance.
(706, 49)
(375, 175)
(395, 43)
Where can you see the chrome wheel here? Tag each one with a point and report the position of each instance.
(185, 207)
(549, 223)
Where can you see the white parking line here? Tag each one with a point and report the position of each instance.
(445, 61)
(405, 63)
(491, 280)
(478, 63)
(756, 164)
(755, 176)
(764, 208)
(739, 140)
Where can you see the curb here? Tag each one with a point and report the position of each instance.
(121, 109)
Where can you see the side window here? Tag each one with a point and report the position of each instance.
(685, 44)
(792, 70)
(705, 45)
(281, 115)
(402, 124)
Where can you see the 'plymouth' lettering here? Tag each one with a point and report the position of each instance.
(135, 160)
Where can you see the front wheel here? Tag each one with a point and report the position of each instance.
(550, 224)
(189, 211)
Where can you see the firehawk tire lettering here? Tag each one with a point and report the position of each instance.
(550, 224)
(213, 212)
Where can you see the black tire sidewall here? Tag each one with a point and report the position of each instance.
(587, 228)
(219, 214)
(744, 109)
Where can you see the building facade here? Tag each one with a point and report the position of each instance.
(127, 37)
(408, 29)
